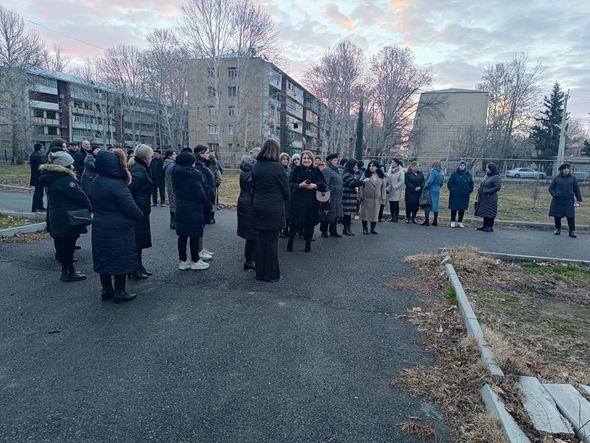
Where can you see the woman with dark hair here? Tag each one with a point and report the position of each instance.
(202, 164)
(191, 200)
(333, 181)
(563, 189)
(114, 250)
(414, 180)
(169, 161)
(305, 180)
(372, 195)
(432, 187)
(89, 172)
(141, 188)
(395, 181)
(63, 195)
(271, 192)
(486, 205)
(246, 216)
(349, 194)
(460, 186)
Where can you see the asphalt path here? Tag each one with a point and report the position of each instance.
(216, 355)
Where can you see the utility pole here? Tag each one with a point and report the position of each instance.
(561, 150)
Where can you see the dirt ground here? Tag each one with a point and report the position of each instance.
(535, 316)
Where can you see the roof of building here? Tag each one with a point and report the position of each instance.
(455, 91)
(36, 70)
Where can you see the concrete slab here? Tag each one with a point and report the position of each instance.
(495, 406)
(542, 409)
(572, 406)
(535, 258)
(26, 229)
(585, 390)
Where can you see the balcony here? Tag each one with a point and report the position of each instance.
(44, 121)
(44, 105)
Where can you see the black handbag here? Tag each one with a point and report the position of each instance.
(425, 199)
(79, 217)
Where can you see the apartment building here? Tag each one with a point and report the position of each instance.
(447, 122)
(235, 103)
(70, 107)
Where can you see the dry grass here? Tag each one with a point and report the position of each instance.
(26, 238)
(15, 174)
(454, 381)
(11, 222)
(229, 191)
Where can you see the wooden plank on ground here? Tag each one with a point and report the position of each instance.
(572, 406)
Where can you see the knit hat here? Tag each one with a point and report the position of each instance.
(564, 166)
(61, 158)
(331, 157)
(185, 159)
(295, 157)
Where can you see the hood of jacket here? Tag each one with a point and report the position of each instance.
(185, 172)
(168, 162)
(462, 162)
(247, 163)
(51, 172)
(108, 164)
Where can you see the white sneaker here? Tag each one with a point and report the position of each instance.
(183, 265)
(453, 224)
(199, 265)
(461, 225)
(204, 256)
(207, 251)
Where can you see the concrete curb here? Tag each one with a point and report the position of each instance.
(471, 323)
(521, 258)
(27, 189)
(26, 229)
(496, 407)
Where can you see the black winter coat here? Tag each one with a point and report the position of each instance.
(115, 214)
(563, 189)
(89, 173)
(202, 166)
(79, 158)
(246, 215)
(460, 186)
(63, 194)
(304, 208)
(271, 192)
(487, 196)
(413, 180)
(35, 160)
(141, 187)
(191, 200)
(158, 174)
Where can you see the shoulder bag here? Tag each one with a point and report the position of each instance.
(322, 197)
(79, 217)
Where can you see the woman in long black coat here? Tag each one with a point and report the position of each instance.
(141, 188)
(191, 200)
(304, 208)
(114, 250)
(246, 216)
(487, 198)
(271, 191)
(63, 194)
(203, 165)
(460, 186)
(414, 181)
(564, 187)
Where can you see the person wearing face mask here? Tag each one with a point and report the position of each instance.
(372, 195)
(460, 186)
(304, 181)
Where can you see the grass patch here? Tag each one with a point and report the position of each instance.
(450, 295)
(15, 174)
(11, 222)
(229, 191)
(561, 272)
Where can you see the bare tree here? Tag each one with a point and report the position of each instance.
(513, 90)
(338, 81)
(56, 60)
(469, 143)
(396, 84)
(89, 70)
(20, 49)
(254, 30)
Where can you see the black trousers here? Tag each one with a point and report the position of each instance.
(162, 188)
(454, 215)
(571, 223)
(394, 209)
(332, 227)
(267, 255)
(307, 231)
(194, 247)
(381, 208)
(64, 247)
(38, 198)
(488, 222)
(249, 250)
(412, 210)
(106, 281)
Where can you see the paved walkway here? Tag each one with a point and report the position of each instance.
(217, 356)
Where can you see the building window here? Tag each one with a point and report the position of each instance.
(210, 72)
(52, 130)
(230, 147)
(231, 129)
(38, 113)
(211, 110)
(233, 111)
(232, 91)
(212, 129)
(51, 115)
(232, 72)
(211, 91)
(213, 146)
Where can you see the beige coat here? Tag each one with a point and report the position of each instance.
(395, 183)
(372, 196)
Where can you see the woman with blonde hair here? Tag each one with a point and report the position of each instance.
(141, 187)
(372, 195)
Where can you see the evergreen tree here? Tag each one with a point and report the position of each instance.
(358, 151)
(586, 148)
(545, 134)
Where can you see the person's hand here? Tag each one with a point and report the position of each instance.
(303, 185)
(418, 188)
(312, 186)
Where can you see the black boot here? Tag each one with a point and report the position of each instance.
(334, 230)
(414, 221)
(172, 220)
(123, 296)
(573, 234)
(145, 272)
(307, 245)
(435, 222)
(365, 228)
(426, 221)
(557, 231)
(290, 244)
(69, 274)
(138, 275)
(249, 266)
(373, 225)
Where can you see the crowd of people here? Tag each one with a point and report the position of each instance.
(113, 191)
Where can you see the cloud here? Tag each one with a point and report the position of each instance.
(333, 13)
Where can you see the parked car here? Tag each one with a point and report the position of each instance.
(525, 173)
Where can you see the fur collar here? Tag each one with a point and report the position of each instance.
(51, 167)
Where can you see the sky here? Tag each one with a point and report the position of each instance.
(458, 39)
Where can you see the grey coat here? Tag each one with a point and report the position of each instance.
(334, 184)
(372, 196)
(168, 165)
(563, 188)
(487, 196)
(394, 184)
(89, 173)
